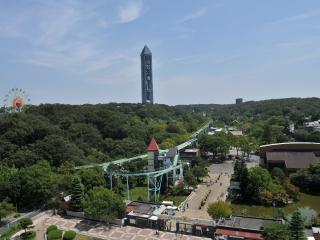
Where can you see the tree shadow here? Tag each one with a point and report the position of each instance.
(85, 225)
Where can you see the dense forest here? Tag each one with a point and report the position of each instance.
(65, 134)
(268, 121)
(40, 141)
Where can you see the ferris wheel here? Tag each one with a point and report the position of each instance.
(16, 100)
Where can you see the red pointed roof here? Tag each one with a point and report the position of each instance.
(153, 146)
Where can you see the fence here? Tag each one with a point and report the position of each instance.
(16, 221)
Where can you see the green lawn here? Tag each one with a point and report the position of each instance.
(306, 200)
(82, 237)
(176, 199)
(143, 193)
(137, 192)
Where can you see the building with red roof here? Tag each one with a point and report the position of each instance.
(153, 145)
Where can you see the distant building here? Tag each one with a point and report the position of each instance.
(146, 76)
(189, 154)
(313, 125)
(236, 132)
(316, 233)
(290, 156)
(239, 100)
(240, 227)
(291, 128)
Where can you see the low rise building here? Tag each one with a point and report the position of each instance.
(240, 227)
(291, 156)
(189, 154)
(316, 233)
(315, 125)
(143, 214)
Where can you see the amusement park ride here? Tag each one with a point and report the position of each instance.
(15, 100)
(161, 163)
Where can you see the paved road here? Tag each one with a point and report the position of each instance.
(216, 186)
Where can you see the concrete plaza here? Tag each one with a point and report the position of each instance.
(100, 231)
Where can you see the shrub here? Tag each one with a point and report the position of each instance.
(28, 235)
(69, 235)
(51, 227)
(219, 210)
(55, 235)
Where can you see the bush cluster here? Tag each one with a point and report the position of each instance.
(28, 235)
(55, 235)
(69, 235)
(51, 227)
(203, 201)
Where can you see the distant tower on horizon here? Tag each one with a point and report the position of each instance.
(239, 100)
(146, 76)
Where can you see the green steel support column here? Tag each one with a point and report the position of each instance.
(128, 191)
(155, 189)
(148, 190)
(111, 182)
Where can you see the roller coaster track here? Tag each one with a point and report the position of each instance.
(154, 177)
(143, 156)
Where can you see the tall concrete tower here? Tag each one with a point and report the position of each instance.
(146, 76)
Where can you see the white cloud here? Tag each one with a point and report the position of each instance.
(197, 14)
(57, 22)
(131, 11)
(302, 16)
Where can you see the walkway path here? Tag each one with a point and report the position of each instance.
(98, 230)
(216, 185)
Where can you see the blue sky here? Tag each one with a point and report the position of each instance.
(204, 51)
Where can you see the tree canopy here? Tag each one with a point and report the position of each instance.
(103, 204)
(219, 210)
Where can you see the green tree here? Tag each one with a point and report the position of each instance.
(25, 223)
(297, 226)
(199, 171)
(57, 150)
(5, 208)
(189, 179)
(276, 232)
(277, 173)
(76, 194)
(103, 204)
(91, 178)
(38, 184)
(219, 210)
(259, 181)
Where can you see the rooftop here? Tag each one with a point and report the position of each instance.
(153, 145)
(293, 160)
(146, 51)
(247, 223)
(315, 230)
(172, 153)
(290, 147)
(290, 143)
(192, 150)
(240, 234)
(144, 209)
